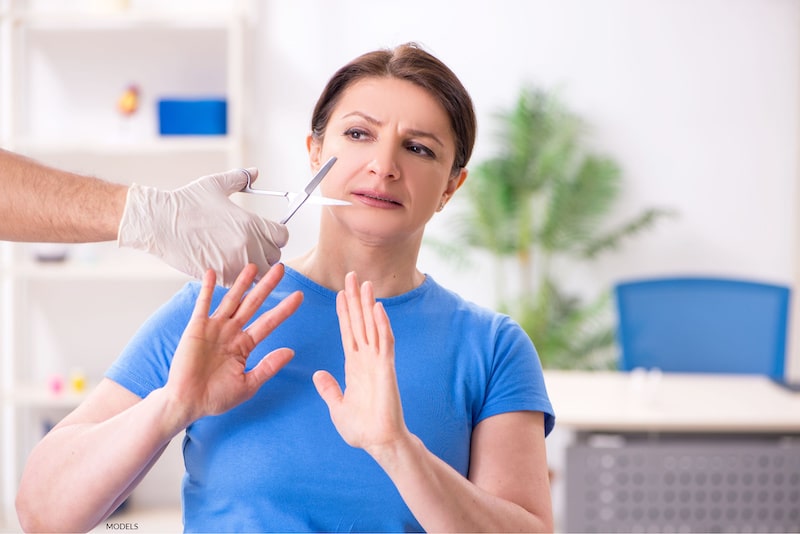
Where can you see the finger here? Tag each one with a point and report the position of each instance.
(203, 303)
(328, 388)
(231, 181)
(367, 304)
(354, 308)
(384, 327)
(348, 343)
(227, 182)
(232, 299)
(268, 367)
(269, 321)
(279, 233)
(253, 173)
(255, 298)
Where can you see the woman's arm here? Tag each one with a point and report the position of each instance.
(93, 459)
(86, 465)
(508, 488)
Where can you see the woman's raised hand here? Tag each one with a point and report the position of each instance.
(207, 376)
(368, 414)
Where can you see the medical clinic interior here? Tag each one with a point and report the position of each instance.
(632, 202)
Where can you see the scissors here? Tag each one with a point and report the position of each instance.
(298, 199)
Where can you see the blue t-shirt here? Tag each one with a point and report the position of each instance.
(276, 462)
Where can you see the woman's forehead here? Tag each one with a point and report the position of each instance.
(392, 99)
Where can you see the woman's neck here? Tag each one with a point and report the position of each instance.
(392, 269)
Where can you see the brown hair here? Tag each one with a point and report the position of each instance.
(406, 62)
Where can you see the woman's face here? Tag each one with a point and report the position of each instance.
(395, 151)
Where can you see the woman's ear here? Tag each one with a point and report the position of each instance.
(314, 152)
(456, 181)
(453, 183)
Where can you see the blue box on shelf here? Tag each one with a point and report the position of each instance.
(192, 116)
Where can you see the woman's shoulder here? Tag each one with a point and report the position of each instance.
(448, 301)
(455, 299)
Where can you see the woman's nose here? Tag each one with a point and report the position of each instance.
(384, 162)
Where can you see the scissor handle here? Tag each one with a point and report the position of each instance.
(249, 188)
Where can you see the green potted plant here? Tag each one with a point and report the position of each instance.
(543, 198)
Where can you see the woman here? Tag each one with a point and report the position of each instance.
(443, 416)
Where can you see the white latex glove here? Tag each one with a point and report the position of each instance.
(197, 227)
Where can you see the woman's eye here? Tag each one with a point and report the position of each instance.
(422, 150)
(356, 134)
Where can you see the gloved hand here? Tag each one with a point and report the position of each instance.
(197, 227)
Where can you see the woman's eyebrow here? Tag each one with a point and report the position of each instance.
(368, 118)
(422, 133)
(414, 133)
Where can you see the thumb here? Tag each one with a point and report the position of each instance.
(328, 388)
(233, 180)
(268, 367)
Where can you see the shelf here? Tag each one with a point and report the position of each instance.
(71, 61)
(41, 397)
(179, 145)
(144, 268)
(122, 20)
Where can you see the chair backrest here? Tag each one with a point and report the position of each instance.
(703, 325)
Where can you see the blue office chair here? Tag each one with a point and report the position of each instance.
(703, 325)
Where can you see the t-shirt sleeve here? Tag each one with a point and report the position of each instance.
(517, 381)
(144, 363)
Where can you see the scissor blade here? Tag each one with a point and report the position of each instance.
(318, 200)
(289, 196)
(283, 194)
(312, 185)
(319, 176)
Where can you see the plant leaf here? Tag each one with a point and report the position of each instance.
(611, 240)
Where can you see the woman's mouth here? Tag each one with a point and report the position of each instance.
(377, 199)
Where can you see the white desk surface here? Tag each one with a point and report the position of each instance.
(671, 402)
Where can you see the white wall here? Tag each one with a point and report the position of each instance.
(698, 102)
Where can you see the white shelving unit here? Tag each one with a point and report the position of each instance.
(62, 68)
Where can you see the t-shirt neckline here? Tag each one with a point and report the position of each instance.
(426, 285)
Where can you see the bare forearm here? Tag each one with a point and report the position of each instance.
(105, 460)
(39, 203)
(444, 501)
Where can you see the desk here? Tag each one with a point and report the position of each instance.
(678, 452)
(672, 402)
